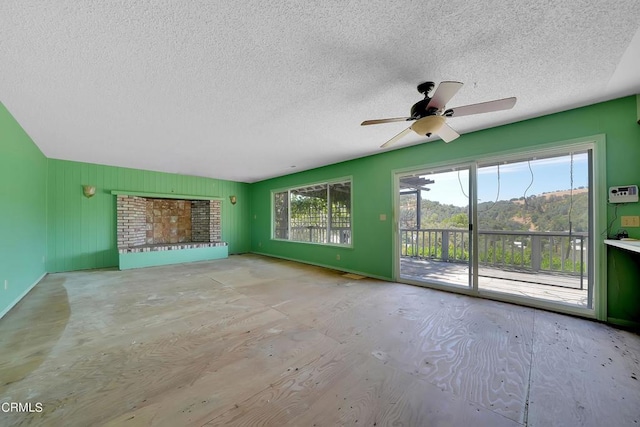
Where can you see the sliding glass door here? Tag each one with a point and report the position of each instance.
(534, 221)
(434, 239)
(516, 227)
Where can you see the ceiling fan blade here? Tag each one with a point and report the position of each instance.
(444, 92)
(378, 121)
(483, 107)
(396, 138)
(447, 133)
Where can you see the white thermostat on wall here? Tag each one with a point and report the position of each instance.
(626, 194)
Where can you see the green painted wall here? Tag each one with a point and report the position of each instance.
(45, 213)
(23, 170)
(82, 232)
(152, 259)
(372, 187)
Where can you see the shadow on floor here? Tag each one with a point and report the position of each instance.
(32, 328)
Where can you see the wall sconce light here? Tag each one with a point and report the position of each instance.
(233, 199)
(89, 191)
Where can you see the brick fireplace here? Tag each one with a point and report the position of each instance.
(153, 224)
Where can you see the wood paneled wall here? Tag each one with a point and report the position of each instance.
(81, 232)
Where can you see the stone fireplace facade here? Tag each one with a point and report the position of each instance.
(145, 224)
(168, 221)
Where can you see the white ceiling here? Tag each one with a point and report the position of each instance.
(247, 90)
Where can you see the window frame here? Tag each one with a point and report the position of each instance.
(327, 184)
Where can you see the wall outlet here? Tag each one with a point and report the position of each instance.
(383, 217)
(259, 244)
(338, 257)
(630, 221)
(6, 284)
(43, 259)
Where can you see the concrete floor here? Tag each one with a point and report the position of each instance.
(251, 340)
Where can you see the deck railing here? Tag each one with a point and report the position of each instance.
(335, 235)
(555, 252)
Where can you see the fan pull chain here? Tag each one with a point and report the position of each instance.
(498, 192)
(525, 206)
(571, 195)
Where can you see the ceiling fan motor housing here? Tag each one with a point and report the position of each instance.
(421, 109)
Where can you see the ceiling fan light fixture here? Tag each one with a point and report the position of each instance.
(428, 125)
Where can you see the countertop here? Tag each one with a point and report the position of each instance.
(630, 245)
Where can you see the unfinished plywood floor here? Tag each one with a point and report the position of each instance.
(257, 341)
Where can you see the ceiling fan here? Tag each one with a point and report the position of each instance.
(430, 113)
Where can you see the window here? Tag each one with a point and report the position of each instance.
(319, 213)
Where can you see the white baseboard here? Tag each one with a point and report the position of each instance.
(22, 295)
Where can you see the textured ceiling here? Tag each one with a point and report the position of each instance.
(248, 90)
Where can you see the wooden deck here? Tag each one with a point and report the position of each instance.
(544, 286)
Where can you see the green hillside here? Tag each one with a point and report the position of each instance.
(544, 212)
